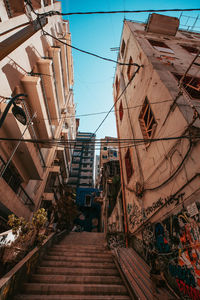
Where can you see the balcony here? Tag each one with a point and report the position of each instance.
(27, 158)
(32, 87)
(13, 180)
(55, 53)
(61, 154)
(70, 60)
(65, 67)
(45, 67)
(14, 8)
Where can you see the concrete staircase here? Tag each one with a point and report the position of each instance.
(78, 268)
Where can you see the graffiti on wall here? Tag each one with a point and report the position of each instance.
(136, 214)
(176, 242)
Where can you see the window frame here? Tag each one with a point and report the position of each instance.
(158, 46)
(122, 50)
(121, 111)
(147, 120)
(130, 69)
(190, 49)
(128, 165)
(178, 76)
(117, 87)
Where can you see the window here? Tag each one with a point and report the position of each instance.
(117, 86)
(130, 70)
(191, 85)
(190, 49)
(147, 121)
(123, 48)
(160, 46)
(87, 200)
(121, 112)
(187, 35)
(128, 165)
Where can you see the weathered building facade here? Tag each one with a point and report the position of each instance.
(37, 66)
(158, 115)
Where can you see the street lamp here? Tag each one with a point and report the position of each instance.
(16, 110)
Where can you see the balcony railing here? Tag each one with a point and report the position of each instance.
(14, 182)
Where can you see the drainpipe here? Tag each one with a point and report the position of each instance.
(122, 185)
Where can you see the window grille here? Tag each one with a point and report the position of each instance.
(147, 120)
(191, 85)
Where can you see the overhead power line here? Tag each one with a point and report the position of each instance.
(87, 52)
(90, 142)
(53, 12)
(117, 99)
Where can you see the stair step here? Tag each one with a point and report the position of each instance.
(71, 297)
(65, 258)
(74, 289)
(79, 250)
(79, 247)
(75, 279)
(79, 254)
(95, 265)
(78, 271)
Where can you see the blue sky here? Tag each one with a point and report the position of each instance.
(93, 78)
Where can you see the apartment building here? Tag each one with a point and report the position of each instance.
(108, 150)
(82, 168)
(36, 71)
(158, 113)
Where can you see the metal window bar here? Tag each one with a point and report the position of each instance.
(12, 181)
(35, 136)
(8, 8)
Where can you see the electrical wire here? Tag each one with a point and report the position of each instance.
(53, 12)
(97, 113)
(69, 45)
(138, 68)
(87, 52)
(98, 141)
(175, 172)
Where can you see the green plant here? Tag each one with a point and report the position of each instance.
(29, 235)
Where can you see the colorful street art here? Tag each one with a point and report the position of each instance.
(176, 244)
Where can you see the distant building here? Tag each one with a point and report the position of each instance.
(91, 210)
(97, 169)
(109, 150)
(42, 68)
(82, 168)
(160, 178)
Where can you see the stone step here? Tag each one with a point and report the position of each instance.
(79, 254)
(75, 279)
(79, 247)
(74, 289)
(77, 251)
(71, 297)
(77, 271)
(65, 258)
(71, 264)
